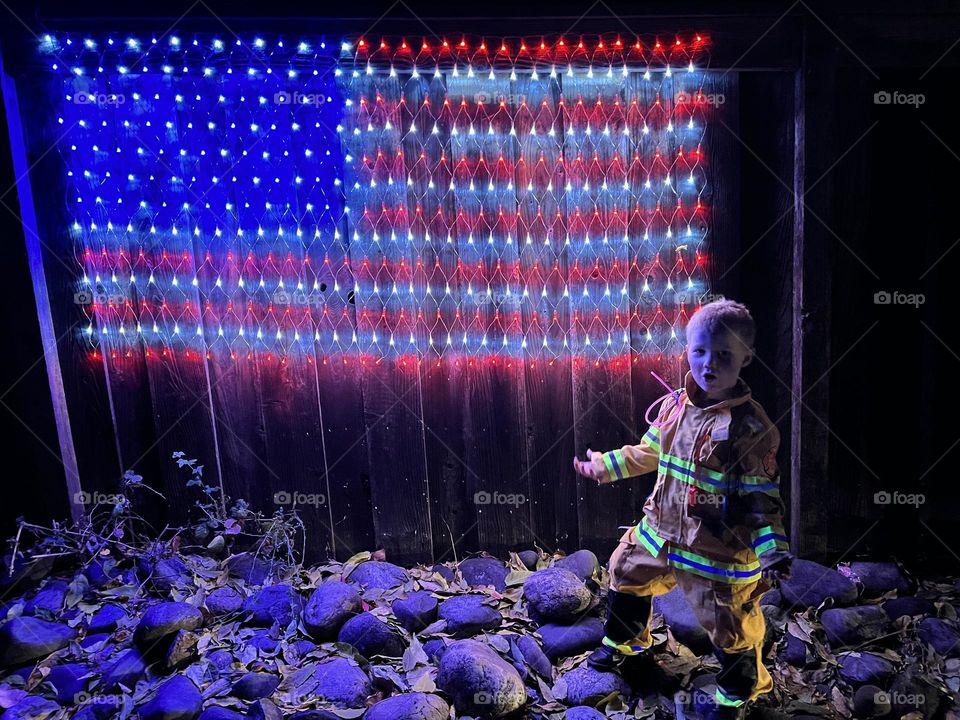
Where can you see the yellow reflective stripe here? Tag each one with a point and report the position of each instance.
(713, 569)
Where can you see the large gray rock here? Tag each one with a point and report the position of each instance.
(556, 594)
(467, 615)
(273, 604)
(416, 611)
(68, 679)
(533, 655)
(529, 558)
(560, 641)
(343, 683)
(913, 691)
(176, 699)
(251, 569)
(165, 574)
(106, 619)
(909, 605)
(163, 620)
(811, 583)
(371, 636)
(478, 572)
(850, 626)
(940, 635)
(224, 600)
(24, 639)
(48, 602)
(329, 607)
(479, 681)
(586, 686)
(410, 706)
(878, 578)
(378, 575)
(583, 712)
(859, 668)
(582, 563)
(255, 685)
(128, 667)
(682, 621)
(870, 701)
(215, 712)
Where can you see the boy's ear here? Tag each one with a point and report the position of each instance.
(747, 360)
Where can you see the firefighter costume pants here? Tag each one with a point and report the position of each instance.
(729, 612)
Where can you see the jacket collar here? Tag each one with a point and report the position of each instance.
(741, 394)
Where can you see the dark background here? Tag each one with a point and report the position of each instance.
(878, 383)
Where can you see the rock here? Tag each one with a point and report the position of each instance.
(215, 712)
(582, 563)
(163, 620)
(534, 656)
(555, 594)
(479, 572)
(255, 685)
(48, 602)
(263, 642)
(371, 636)
(582, 712)
(859, 668)
(911, 691)
(410, 706)
(101, 572)
(24, 639)
(91, 640)
(467, 615)
(223, 601)
(378, 575)
(176, 699)
(560, 641)
(435, 649)
(846, 627)
(125, 669)
(329, 607)
(249, 568)
(32, 707)
(415, 611)
(304, 646)
(586, 686)
(68, 679)
(683, 621)
(479, 681)
(165, 574)
(529, 558)
(870, 701)
(795, 651)
(912, 606)
(878, 578)
(772, 597)
(444, 572)
(811, 583)
(940, 635)
(343, 683)
(222, 660)
(273, 604)
(181, 652)
(106, 619)
(314, 715)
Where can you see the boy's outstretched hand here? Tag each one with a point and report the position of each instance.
(778, 571)
(587, 468)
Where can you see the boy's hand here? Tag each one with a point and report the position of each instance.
(778, 571)
(588, 469)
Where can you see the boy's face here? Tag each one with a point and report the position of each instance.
(715, 360)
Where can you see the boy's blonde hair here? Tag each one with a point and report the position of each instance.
(726, 315)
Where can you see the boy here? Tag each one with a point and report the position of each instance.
(713, 523)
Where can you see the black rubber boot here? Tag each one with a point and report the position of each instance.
(627, 616)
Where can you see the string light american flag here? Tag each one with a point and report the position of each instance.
(364, 200)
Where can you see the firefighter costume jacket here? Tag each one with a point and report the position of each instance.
(716, 505)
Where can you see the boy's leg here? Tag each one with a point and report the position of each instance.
(732, 617)
(635, 577)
